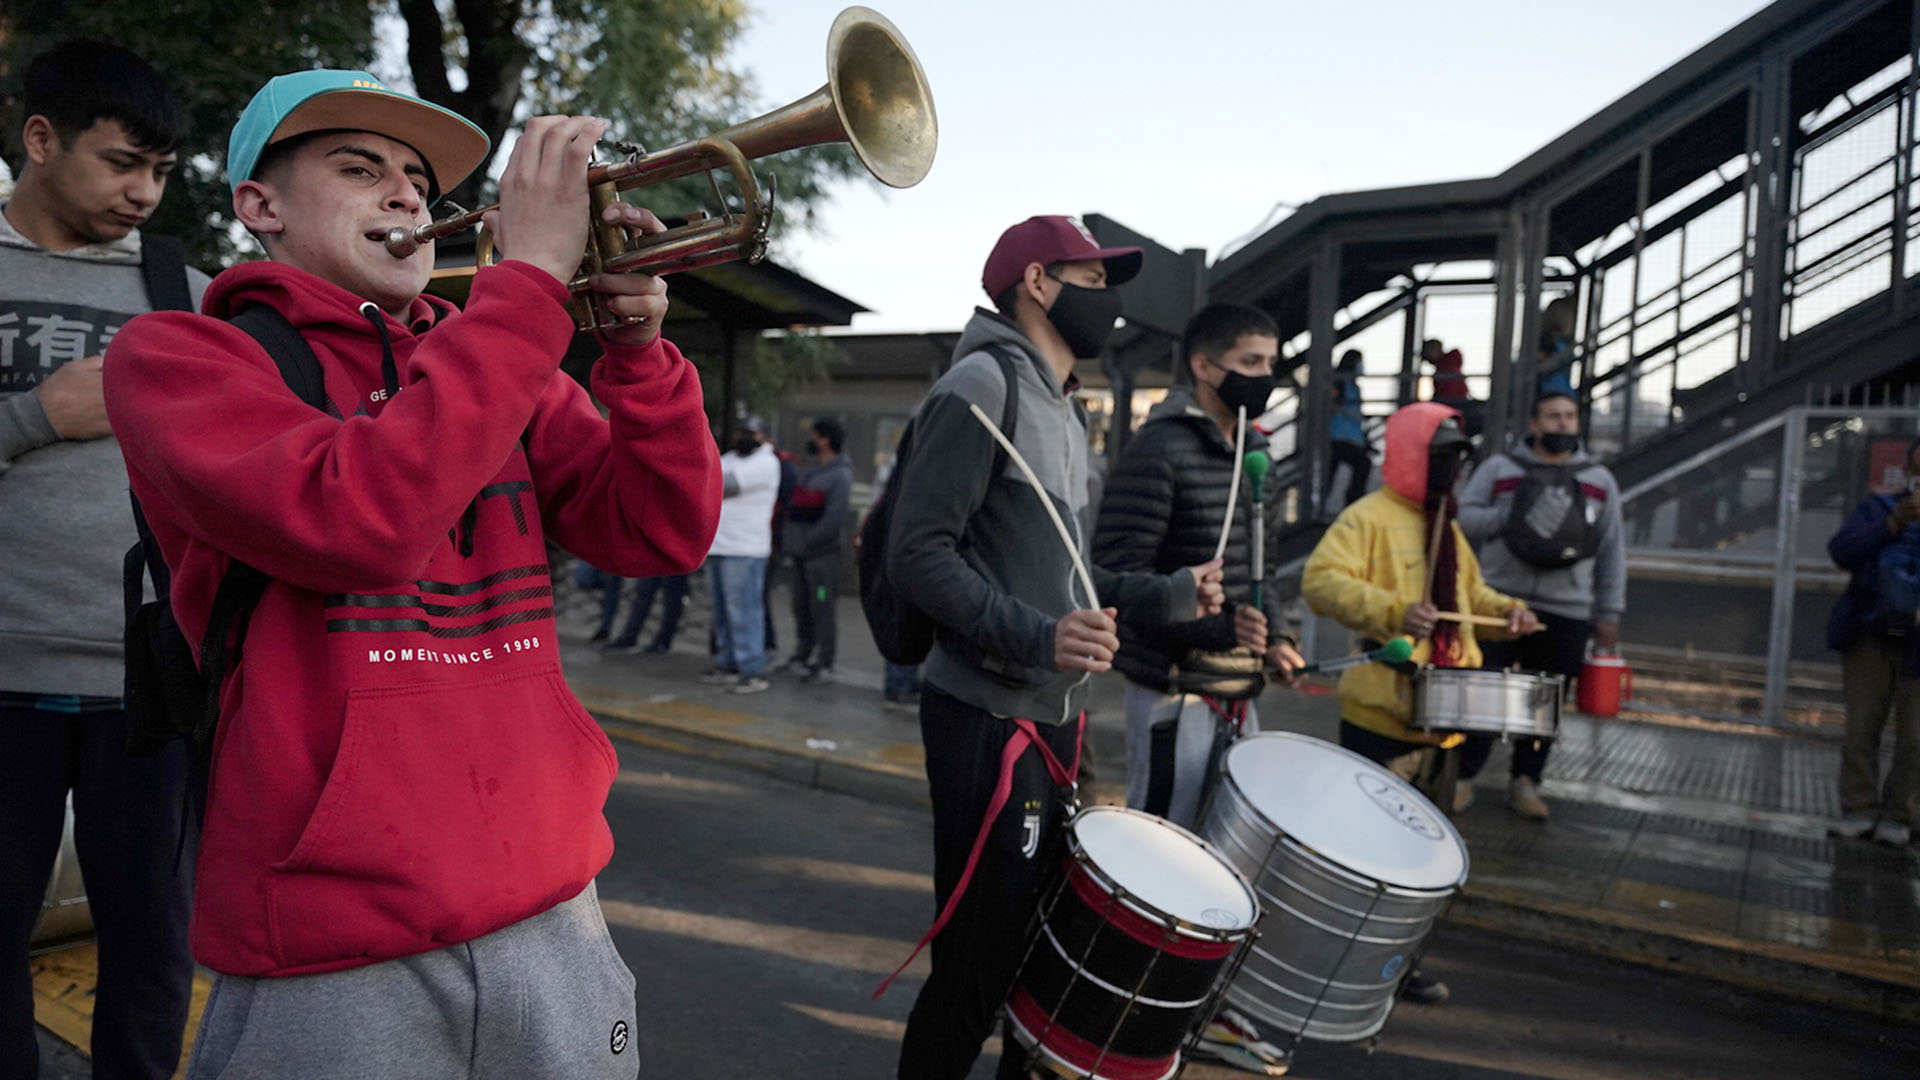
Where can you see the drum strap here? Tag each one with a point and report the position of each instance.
(1024, 735)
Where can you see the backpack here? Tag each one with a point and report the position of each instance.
(1896, 589)
(168, 697)
(904, 633)
(1552, 523)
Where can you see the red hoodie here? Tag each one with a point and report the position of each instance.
(399, 765)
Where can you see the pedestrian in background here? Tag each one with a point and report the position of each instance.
(98, 137)
(1349, 431)
(813, 541)
(737, 562)
(1873, 629)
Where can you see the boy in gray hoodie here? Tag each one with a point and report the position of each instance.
(972, 546)
(98, 137)
(1577, 601)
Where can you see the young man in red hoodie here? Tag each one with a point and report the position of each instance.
(403, 825)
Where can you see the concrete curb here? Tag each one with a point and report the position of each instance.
(1879, 990)
(865, 780)
(1885, 991)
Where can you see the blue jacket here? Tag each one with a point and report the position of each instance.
(1856, 549)
(1349, 422)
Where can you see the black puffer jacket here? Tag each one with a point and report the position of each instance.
(1162, 510)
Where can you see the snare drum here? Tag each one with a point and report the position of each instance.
(1512, 704)
(1351, 865)
(65, 917)
(1130, 949)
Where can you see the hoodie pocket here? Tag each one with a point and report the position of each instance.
(451, 811)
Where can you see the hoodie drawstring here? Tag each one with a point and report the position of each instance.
(389, 371)
(390, 375)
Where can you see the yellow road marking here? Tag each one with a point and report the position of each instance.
(63, 985)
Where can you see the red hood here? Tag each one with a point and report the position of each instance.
(307, 301)
(1409, 434)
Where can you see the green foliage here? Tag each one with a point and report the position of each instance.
(216, 53)
(769, 369)
(656, 68)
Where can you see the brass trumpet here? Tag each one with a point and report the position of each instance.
(875, 99)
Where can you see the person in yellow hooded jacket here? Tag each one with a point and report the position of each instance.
(1390, 564)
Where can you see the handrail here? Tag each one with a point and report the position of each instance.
(1878, 164)
(1695, 460)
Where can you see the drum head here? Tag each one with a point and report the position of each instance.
(1348, 810)
(1164, 867)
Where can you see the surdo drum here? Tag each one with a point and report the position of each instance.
(65, 917)
(1131, 948)
(1351, 866)
(1511, 704)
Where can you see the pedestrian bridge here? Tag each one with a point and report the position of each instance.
(1724, 243)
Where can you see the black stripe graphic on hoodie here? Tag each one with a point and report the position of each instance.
(435, 612)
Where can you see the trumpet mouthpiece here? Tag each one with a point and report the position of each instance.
(400, 242)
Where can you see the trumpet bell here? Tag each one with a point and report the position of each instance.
(875, 100)
(880, 92)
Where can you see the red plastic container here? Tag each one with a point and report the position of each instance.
(1605, 681)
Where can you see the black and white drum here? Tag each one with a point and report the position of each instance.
(65, 918)
(1351, 865)
(1131, 950)
(1511, 704)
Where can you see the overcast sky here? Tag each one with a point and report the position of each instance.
(1189, 121)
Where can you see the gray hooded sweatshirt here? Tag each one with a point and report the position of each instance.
(975, 550)
(1593, 589)
(65, 522)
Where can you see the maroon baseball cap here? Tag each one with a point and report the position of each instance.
(1048, 239)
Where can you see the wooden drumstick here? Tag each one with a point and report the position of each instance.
(1468, 617)
(1433, 564)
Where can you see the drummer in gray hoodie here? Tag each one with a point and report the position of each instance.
(973, 547)
(1545, 518)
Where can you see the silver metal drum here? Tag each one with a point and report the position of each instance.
(65, 918)
(1515, 704)
(1352, 866)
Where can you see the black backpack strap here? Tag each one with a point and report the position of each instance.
(241, 586)
(143, 559)
(298, 366)
(163, 267)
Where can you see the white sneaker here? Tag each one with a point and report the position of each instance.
(1526, 800)
(1891, 832)
(1852, 826)
(751, 684)
(1231, 1039)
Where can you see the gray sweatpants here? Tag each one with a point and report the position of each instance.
(547, 997)
(1170, 740)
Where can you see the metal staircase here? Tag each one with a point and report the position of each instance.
(1695, 258)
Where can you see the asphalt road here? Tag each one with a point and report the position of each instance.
(758, 916)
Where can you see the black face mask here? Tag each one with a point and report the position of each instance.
(1443, 468)
(1084, 318)
(1249, 392)
(1556, 442)
(745, 445)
